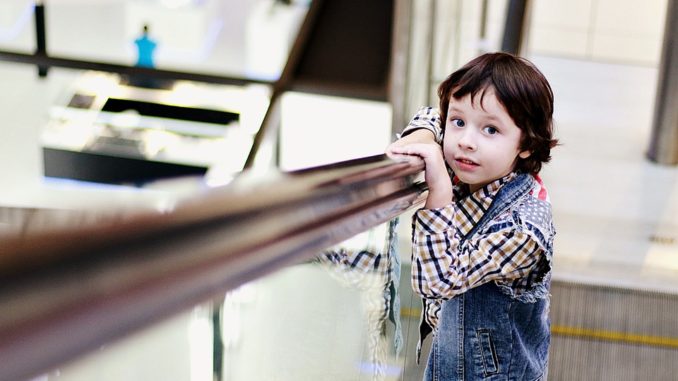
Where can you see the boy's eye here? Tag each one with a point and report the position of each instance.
(490, 130)
(458, 123)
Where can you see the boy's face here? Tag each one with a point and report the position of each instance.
(482, 143)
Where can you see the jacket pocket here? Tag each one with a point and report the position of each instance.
(488, 352)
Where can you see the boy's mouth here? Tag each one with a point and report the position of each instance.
(465, 161)
(465, 165)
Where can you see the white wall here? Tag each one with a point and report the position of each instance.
(623, 31)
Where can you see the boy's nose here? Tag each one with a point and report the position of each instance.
(466, 140)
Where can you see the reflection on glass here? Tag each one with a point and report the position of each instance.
(368, 263)
(323, 320)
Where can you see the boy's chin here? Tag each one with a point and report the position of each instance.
(473, 183)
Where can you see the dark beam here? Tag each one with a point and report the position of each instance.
(69, 63)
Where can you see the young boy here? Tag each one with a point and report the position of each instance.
(482, 245)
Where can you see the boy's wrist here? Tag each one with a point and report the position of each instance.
(420, 131)
(438, 198)
(419, 135)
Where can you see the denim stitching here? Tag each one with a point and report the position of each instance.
(509, 314)
(434, 363)
(460, 337)
(483, 355)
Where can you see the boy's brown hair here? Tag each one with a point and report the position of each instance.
(523, 91)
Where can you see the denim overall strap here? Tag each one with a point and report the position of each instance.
(507, 196)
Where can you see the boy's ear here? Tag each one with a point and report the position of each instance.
(525, 154)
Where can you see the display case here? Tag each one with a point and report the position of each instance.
(109, 129)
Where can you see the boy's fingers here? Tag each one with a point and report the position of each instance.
(400, 149)
(396, 155)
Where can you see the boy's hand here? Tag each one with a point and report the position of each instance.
(418, 136)
(436, 176)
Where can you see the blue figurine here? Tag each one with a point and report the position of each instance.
(145, 48)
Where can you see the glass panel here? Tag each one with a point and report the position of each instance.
(331, 318)
(225, 37)
(17, 26)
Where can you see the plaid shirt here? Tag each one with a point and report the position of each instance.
(443, 265)
(428, 118)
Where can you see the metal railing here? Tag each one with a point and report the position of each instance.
(66, 291)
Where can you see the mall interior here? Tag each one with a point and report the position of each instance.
(227, 212)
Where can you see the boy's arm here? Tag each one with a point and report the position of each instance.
(423, 128)
(422, 137)
(428, 119)
(443, 268)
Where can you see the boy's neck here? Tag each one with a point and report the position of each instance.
(462, 190)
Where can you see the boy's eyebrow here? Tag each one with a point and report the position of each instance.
(493, 117)
(456, 109)
(490, 117)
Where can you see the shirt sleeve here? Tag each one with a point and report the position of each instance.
(428, 118)
(443, 267)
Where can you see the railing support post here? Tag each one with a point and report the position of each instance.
(514, 26)
(664, 139)
(40, 36)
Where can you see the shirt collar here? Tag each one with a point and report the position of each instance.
(472, 207)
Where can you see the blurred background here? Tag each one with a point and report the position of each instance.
(273, 86)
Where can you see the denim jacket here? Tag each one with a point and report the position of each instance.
(488, 332)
